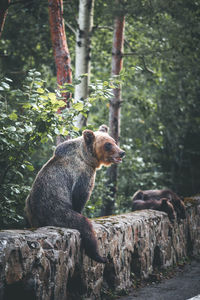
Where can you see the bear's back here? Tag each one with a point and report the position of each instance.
(69, 148)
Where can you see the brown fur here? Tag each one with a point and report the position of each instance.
(160, 205)
(165, 193)
(106, 157)
(65, 183)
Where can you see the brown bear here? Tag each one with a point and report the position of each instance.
(161, 205)
(65, 183)
(165, 193)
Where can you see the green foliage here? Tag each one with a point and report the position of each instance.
(160, 111)
(31, 47)
(100, 195)
(28, 119)
(159, 117)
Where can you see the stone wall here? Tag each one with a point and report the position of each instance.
(49, 264)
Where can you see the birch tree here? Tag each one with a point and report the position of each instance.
(83, 52)
(114, 107)
(59, 42)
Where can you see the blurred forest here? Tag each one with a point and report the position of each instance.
(160, 110)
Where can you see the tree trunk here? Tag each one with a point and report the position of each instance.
(3, 12)
(114, 108)
(59, 42)
(83, 52)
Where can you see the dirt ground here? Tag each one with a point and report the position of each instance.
(184, 284)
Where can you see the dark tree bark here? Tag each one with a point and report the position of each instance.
(114, 108)
(4, 4)
(59, 42)
(117, 63)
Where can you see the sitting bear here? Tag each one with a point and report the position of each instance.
(65, 183)
(166, 193)
(161, 205)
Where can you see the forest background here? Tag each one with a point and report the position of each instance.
(160, 111)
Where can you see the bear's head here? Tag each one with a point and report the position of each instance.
(167, 207)
(179, 207)
(103, 147)
(139, 195)
(182, 209)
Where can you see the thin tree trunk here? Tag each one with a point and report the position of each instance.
(83, 52)
(117, 64)
(60, 50)
(3, 13)
(59, 42)
(114, 108)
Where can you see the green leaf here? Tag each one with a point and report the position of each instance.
(37, 73)
(27, 105)
(8, 79)
(30, 168)
(28, 128)
(20, 174)
(63, 131)
(84, 75)
(75, 128)
(5, 85)
(78, 106)
(42, 97)
(11, 128)
(50, 137)
(11, 158)
(13, 116)
(61, 103)
(84, 114)
(56, 131)
(76, 81)
(40, 91)
(40, 83)
(52, 96)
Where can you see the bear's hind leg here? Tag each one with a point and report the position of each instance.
(90, 241)
(72, 219)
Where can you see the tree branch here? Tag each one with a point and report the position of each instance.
(129, 53)
(70, 27)
(145, 66)
(102, 27)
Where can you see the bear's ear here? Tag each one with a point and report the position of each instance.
(164, 201)
(140, 194)
(103, 128)
(88, 136)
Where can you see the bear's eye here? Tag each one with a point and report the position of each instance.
(107, 146)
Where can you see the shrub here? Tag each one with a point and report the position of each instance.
(28, 119)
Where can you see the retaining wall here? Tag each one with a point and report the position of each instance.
(49, 263)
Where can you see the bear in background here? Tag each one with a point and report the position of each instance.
(176, 201)
(64, 185)
(160, 205)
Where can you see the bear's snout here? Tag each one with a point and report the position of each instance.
(117, 157)
(122, 154)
